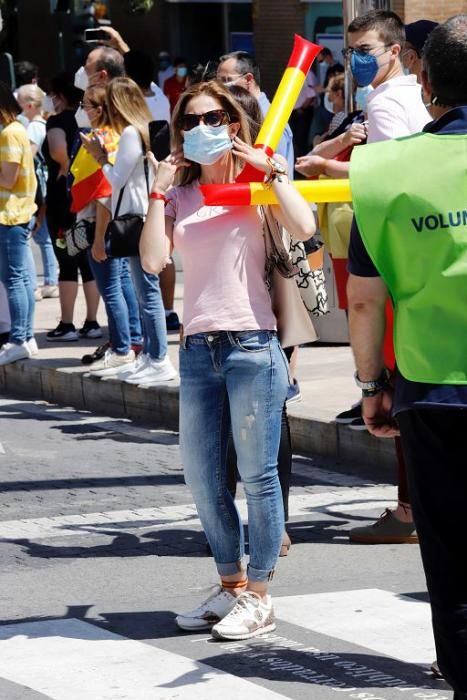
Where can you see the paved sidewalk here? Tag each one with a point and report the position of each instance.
(325, 374)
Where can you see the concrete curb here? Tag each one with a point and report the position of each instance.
(158, 406)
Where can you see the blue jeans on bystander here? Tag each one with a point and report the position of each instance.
(234, 380)
(148, 293)
(124, 324)
(15, 275)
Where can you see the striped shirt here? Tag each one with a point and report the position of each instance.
(17, 205)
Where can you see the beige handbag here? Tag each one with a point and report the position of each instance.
(294, 325)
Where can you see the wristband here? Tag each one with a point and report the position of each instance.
(158, 195)
(374, 387)
(277, 171)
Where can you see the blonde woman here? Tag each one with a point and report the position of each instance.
(233, 372)
(30, 99)
(129, 117)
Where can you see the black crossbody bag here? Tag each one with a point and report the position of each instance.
(123, 232)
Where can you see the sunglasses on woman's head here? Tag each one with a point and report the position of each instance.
(215, 117)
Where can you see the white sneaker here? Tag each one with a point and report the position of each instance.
(135, 366)
(153, 372)
(49, 291)
(11, 352)
(214, 608)
(250, 617)
(32, 345)
(111, 364)
(37, 295)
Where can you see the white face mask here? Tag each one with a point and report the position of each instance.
(48, 105)
(81, 79)
(82, 119)
(328, 105)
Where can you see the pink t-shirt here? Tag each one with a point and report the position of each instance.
(223, 257)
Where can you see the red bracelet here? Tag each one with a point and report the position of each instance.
(158, 195)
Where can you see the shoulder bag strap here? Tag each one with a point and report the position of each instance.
(146, 176)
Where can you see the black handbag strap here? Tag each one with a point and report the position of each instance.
(146, 176)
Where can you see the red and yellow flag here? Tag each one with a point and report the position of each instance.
(89, 182)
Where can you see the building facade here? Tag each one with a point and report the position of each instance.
(49, 32)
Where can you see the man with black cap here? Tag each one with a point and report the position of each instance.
(416, 33)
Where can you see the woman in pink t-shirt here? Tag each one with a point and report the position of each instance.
(233, 372)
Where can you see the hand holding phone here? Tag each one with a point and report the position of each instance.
(93, 36)
(159, 139)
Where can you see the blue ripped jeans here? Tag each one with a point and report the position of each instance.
(238, 380)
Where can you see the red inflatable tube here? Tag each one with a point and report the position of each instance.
(303, 54)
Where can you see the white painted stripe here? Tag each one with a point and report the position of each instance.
(2, 449)
(171, 516)
(72, 660)
(391, 624)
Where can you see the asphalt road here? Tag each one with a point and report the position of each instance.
(100, 547)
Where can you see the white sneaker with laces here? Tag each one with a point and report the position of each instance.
(153, 372)
(111, 364)
(135, 367)
(250, 617)
(214, 608)
(11, 352)
(49, 291)
(32, 345)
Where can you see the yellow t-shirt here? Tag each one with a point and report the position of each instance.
(17, 205)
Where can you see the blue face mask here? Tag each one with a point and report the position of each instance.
(364, 68)
(182, 71)
(206, 144)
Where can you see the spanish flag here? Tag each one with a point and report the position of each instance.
(89, 182)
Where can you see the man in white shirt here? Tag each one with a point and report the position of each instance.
(395, 109)
(140, 68)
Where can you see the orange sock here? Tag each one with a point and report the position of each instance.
(234, 585)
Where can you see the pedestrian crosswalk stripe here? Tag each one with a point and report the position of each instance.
(90, 662)
(74, 660)
(394, 625)
(366, 497)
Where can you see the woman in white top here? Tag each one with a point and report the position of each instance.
(30, 98)
(129, 117)
(233, 372)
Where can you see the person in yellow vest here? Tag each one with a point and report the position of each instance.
(410, 242)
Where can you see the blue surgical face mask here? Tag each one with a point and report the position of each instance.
(364, 68)
(206, 144)
(182, 71)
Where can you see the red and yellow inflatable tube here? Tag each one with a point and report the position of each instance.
(303, 54)
(255, 193)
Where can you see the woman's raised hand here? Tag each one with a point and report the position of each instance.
(93, 146)
(165, 170)
(254, 156)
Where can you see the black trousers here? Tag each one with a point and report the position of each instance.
(434, 442)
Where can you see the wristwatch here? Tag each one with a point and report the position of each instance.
(374, 387)
(277, 170)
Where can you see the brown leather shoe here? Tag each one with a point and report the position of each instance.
(386, 530)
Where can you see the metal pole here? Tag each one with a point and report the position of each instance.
(349, 13)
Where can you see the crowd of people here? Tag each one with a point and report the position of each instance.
(79, 158)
